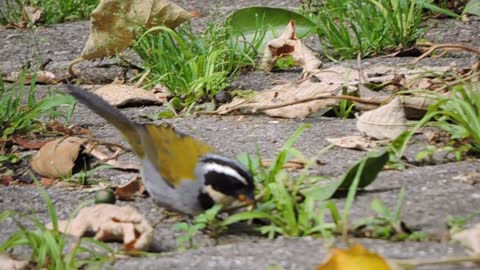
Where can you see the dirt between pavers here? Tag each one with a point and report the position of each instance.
(431, 193)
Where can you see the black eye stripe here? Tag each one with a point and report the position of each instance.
(223, 183)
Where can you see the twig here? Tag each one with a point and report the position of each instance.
(71, 64)
(447, 47)
(299, 101)
(421, 262)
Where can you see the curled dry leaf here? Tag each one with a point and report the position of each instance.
(57, 158)
(285, 94)
(355, 258)
(7, 263)
(470, 239)
(287, 44)
(386, 122)
(115, 23)
(129, 190)
(356, 142)
(30, 15)
(119, 95)
(111, 223)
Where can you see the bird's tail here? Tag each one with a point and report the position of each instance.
(95, 103)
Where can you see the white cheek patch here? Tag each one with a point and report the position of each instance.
(209, 167)
(219, 197)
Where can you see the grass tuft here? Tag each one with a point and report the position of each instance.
(366, 27)
(194, 67)
(55, 11)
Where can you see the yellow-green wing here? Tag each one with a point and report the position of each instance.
(174, 155)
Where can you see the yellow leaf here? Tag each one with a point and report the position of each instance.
(354, 258)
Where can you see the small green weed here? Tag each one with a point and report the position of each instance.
(84, 176)
(19, 116)
(387, 224)
(366, 27)
(345, 108)
(458, 223)
(55, 11)
(193, 67)
(458, 114)
(50, 248)
(208, 219)
(285, 62)
(294, 206)
(447, 151)
(287, 211)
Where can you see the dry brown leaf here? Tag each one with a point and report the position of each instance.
(6, 179)
(30, 15)
(292, 164)
(338, 75)
(7, 263)
(381, 74)
(354, 258)
(357, 142)
(46, 182)
(29, 144)
(128, 191)
(111, 223)
(471, 178)
(114, 23)
(470, 239)
(42, 76)
(110, 159)
(288, 93)
(386, 122)
(119, 95)
(57, 158)
(287, 44)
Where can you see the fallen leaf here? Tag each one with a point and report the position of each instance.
(386, 122)
(373, 164)
(338, 75)
(288, 45)
(110, 157)
(6, 180)
(270, 20)
(357, 142)
(471, 178)
(292, 164)
(41, 76)
(111, 223)
(30, 15)
(127, 191)
(120, 95)
(287, 93)
(382, 74)
(56, 159)
(46, 182)
(7, 263)
(115, 23)
(355, 258)
(29, 144)
(470, 239)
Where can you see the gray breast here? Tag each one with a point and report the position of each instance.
(182, 199)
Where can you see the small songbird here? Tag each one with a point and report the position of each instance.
(179, 172)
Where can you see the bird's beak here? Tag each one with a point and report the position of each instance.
(247, 199)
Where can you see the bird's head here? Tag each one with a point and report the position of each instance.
(224, 181)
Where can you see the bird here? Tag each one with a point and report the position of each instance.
(181, 174)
